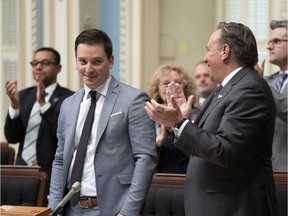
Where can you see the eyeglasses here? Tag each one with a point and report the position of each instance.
(165, 84)
(276, 41)
(42, 63)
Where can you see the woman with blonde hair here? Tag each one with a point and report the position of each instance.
(171, 160)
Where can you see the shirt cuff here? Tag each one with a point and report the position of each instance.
(181, 129)
(13, 113)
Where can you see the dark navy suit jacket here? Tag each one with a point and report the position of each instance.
(15, 129)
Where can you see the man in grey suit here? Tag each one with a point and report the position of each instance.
(277, 47)
(121, 153)
(230, 144)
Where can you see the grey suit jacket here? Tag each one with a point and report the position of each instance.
(230, 146)
(279, 156)
(125, 158)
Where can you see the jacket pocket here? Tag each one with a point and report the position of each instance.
(235, 186)
(125, 178)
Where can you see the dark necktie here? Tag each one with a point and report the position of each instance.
(281, 80)
(76, 174)
(207, 104)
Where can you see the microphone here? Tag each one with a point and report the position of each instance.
(74, 189)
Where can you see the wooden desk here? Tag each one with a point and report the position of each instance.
(8, 210)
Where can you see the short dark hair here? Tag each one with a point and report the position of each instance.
(278, 24)
(242, 42)
(95, 36)
(56, 54)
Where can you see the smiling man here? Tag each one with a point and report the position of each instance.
(33, 113)
(115, 157)
(230, 143)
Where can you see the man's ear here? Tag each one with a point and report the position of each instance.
(59, 67)
(226, 51)
(111, 59)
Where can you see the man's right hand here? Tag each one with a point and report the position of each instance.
(40, 92)
(13, 94)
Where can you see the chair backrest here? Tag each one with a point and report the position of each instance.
(7, 154)
(165, 196)
(23, 186)
(281, 191)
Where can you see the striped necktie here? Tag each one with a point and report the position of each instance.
(281, 80)
(29, 148)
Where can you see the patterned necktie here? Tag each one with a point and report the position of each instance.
(207, 104)
(29, 148)
(281, 80)
(76, 174)
(216, 92)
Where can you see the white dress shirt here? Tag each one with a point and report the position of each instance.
(88, 182)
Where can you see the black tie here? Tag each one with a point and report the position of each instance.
(76, 174)
(281, 80)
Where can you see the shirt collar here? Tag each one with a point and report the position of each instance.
(229, 77)
(280, 72)
(102, 89)
(50, 89)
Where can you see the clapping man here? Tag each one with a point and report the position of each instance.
(230, 143)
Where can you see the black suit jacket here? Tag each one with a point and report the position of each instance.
(230, 147)
(47, 140)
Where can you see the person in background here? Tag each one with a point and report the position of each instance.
(38, 142)
(171, 159)
(277, 47)
(230, 143)
(203, 83)
(121, 156)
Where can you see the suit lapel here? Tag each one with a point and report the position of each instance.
(273, 80)
(55, 95)
(214, 103)
(202, 111)
(109, 103)
(227, 88)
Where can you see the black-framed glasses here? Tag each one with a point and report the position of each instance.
(42, 63)
(276, 41)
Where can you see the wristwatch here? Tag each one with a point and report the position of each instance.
(177, 127)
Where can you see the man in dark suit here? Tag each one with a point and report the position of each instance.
(230, 145)
(49, 96)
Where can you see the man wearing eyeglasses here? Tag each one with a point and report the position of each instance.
(36, 131)
(277, 47)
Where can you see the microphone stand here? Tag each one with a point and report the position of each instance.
(74, 189)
